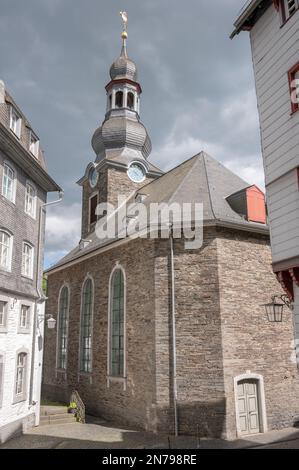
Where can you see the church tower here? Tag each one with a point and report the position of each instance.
(121, 144)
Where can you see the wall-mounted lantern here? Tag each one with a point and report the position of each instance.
(274, 310)
(51, 322)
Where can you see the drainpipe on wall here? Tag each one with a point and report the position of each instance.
(175, 391)
(40, 295)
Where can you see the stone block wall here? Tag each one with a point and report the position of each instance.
(221, 328)
(251, 344)
(130, 404)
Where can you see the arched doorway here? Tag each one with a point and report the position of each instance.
(250, 404)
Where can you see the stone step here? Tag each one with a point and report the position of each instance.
(57, 419)
(52, 410)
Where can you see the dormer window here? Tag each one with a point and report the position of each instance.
(119, 99)
(130, 100)
(15, 122)
(288, 8)
(249, 203)
(34, 144)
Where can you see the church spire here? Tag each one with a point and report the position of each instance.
(122, 136)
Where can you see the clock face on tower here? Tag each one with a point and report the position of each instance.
(136, 172)
(93, 177)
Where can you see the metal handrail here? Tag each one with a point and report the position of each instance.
(75, 398)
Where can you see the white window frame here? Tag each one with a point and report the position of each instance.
(15, 125)
(28, 274)
(19, 397)
(32, 214)
(27, 327)
(3, 326)
(33, 144)
(7, 267)
(285, 12)
(111, 378)
(10, 168)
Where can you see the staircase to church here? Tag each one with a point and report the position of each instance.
(55, 415)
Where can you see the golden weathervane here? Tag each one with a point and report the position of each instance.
(124, 17)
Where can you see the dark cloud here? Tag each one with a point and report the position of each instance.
(198, 89)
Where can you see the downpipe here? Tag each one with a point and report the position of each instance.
(174, 354)
(40, 298)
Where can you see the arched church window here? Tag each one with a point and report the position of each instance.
(86, 326)
(130, 100)
(62, 328)
(110, 101)
(117, 316)
(119, 99)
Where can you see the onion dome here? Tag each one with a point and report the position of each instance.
(119, 132)
(123, 67)
(122, 133)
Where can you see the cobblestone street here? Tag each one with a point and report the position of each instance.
(99, 435)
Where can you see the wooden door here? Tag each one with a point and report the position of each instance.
(248, 407)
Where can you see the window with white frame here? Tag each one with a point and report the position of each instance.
(30, 200)
(86, 327)
(21, 377)
(27, 260)
(34, 144)
(5, 250)
(25, 314)
(288, 8)
(3, 315)
(8, 183)
(117, 324)
(15, 122)
(294, 87)
(63, 328)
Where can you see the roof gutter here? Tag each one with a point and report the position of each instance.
(253, 228)
(245, 13)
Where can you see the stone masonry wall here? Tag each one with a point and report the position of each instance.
(200, 382)
(221, 327)
(111, 183)
(250, 341)
(135, 404)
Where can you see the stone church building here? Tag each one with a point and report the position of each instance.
(155, 335)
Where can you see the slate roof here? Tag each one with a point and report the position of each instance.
(200, 179)
(18, 149)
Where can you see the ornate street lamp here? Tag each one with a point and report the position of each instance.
(274, 310)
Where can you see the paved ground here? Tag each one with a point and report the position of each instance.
(98, 435)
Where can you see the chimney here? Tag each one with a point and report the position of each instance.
(2, 92)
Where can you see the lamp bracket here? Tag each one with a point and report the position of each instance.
(285, 299)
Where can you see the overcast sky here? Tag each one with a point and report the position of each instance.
(198, 87)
